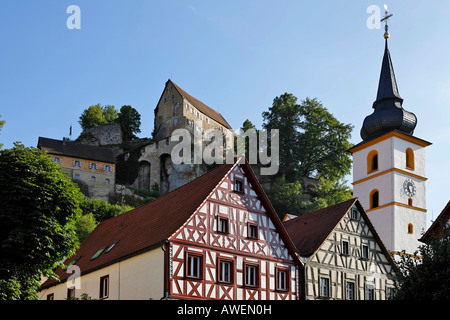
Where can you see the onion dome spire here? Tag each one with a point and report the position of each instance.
(388, 114)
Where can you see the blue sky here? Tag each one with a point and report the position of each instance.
(236, 56)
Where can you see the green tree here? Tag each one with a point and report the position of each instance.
(98, 115)
(101, 209)
(39, 208)
(323, 143)
(92, 117)
(284, 115)
(85, 224)
(427, 278)
(313, 143)
(130, 122)
(110, 113)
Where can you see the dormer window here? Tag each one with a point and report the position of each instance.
(238, 186)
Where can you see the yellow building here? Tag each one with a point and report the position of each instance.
(91, 167)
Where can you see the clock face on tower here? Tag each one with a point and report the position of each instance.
(409, 187)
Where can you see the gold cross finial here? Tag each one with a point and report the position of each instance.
(385, 19)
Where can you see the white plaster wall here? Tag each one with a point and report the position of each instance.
(403, 240)
(385, 160)
(384, 185)
(137, 278)
(399, 147)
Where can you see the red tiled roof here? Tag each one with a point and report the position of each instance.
(436, 227)
(149, 226)
(203, 108)
(310, 230)
(145, 227)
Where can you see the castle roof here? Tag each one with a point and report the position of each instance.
(203, 108)
(76, 150)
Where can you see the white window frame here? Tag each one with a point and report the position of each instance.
(225, 270)
(193, 267)
(350, 290)
(251, 275)
(104, 287)
(324, 287)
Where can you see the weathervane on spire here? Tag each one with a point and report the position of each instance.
(385, 19)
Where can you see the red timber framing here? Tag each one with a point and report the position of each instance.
(217, 255)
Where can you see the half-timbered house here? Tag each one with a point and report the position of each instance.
(216, 237)
(343, 257)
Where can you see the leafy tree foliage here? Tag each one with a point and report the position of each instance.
(39, 208)
(313, 143)
(130, 122)
(97, 115)
(427, 278)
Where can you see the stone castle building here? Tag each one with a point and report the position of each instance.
(176, 109)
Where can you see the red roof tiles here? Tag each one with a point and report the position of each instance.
(310, 230)
(145, 227)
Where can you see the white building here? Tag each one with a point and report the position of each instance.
(389, 168)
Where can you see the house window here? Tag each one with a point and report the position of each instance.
(99, 252)
(350, 291)
(222, 224)
(410, 228)
(282, 279)
(389, 293)
(175, 121)
(106, 181)
(93, 166)
(76, 163)
(372, 161)
(111, 246)
(71, 293)
(374, 199)
(104, 287)
(194, 263)
(345, 248)
(324, 287)
(410, 159)
(238, 186)
(252, 230)
(370, 292)
(57, 160)
(77, 176)
(251, 275)
(225, 271)
(51, 296)
(354, 214)
(365, 251)
(92, 179)
(107, 168)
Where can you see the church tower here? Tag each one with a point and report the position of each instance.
(389, 166)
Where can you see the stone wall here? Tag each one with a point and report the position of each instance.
(110, 134)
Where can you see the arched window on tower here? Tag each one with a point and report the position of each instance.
(372, 161)
(410, 228)
(374, 199)
(410, 202)
(410, 159)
